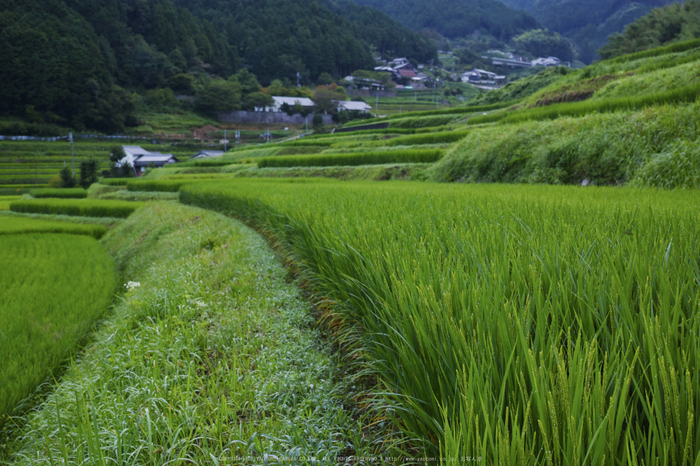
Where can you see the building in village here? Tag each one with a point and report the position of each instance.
(205, 154)
(477, 76)
(140, 159)
(348, 106)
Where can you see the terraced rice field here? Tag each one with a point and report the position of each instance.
(521, 324)
(52, 288)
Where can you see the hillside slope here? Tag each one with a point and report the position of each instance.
(456, 18)
(587, 23)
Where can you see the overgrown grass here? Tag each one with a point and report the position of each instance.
(74, 193)
(115, 181)
(358, 158)
(208, 357)
(52, 289)
(611, 148)
(521, 325)
(78, 207)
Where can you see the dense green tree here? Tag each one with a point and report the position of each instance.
(88, 172)
(457, 18)
(219, 95)
(67, 178)
(662, 26)
(544, 43)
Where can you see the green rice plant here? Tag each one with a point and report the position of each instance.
(76, 207)
(163, 185)
(52, 289)
(115, 181)
(72, 193)
(444, 137)
(515, 324)
(422, 122)
(5, 201)
(685, 94)
(21, 225)
(358, 158)
(445, 111)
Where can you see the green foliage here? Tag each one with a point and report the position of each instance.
(545, 43)
(88, 172)
(674, 23)
(444, 137)
(72, 193)
(358, 158)
(611, 148)
(76, 207)
(527, 325)
(456, 19)
(67, 178)
(54, 287)
(277, 40)
(219, 95)
(384, 34)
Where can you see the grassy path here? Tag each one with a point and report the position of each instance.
(209, 358)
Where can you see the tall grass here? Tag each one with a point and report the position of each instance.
(611, 148)
(52, 288)
(358, 158)
(78, 207)
(519, 325)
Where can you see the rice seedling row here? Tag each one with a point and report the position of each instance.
(52, 289)
(76, 207)
(523, 325)
(359, 158)
(63, 193)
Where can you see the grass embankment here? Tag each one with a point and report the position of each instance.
(77, 207)
(652, 147)
(208, 358)
(52, 289)
(523, 325)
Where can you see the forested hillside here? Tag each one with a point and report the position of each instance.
(673, 23)
(455, 19)
(588, 23)
(77, 62)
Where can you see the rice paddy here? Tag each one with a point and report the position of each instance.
(77, 207)
(525, 325)
(52, 289)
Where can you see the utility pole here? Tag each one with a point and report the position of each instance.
(377, 101)
(298, 79)
(225, 141)
(72, 155)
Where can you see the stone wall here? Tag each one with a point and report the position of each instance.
(268, 118)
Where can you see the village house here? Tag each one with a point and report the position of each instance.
(347, 106)
(203, 154)
(477, 76)
(140, 159)
(291, 101)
